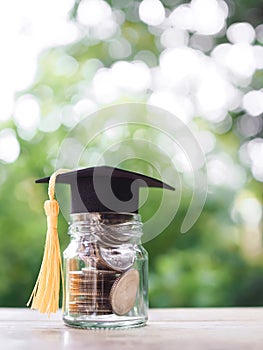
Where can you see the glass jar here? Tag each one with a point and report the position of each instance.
(106, 272)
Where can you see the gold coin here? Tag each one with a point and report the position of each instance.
(84, 287)
(75, 273)
(90, 284)
(83, 283)
(101, 313)
(88, 271)
(90, 308)
(91, 294)
(100, 301)
(123, 292)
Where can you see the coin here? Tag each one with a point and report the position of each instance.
(89, 272)
(90, 287)
(93, 306)
(72, 264)
(86, 292)
(116, 258)
(76, 273)
(90, 307)
(123, 292)
(86, 312)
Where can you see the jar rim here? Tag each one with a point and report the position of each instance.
(107, 226)
(108, 218)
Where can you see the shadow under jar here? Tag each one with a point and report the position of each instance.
(106, 272)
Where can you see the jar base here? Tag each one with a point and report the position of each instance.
(98, 323)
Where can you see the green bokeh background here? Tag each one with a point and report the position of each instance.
(208, 266)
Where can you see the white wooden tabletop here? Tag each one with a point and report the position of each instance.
(177, 329)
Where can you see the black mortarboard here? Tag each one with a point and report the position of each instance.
(105, 189)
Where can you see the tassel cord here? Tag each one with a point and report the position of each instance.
(45, 295)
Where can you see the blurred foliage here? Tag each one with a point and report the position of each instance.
(208, 266)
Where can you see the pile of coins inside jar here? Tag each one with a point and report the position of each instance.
(107, 284)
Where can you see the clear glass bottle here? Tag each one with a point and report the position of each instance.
(106, 272)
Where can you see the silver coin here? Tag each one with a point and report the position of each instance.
(123, 292)
(117, 258)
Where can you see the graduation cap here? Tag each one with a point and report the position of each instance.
(105, 189)
(97, 189)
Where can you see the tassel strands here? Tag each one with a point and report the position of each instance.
(45, 295)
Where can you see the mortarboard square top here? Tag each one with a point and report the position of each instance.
(105, 189)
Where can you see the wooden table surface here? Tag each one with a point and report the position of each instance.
(179, 329)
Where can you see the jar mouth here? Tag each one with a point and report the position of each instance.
(106, 218)
(107, 228)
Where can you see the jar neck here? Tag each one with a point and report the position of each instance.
(108, 228)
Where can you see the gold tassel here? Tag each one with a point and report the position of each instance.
(45, 295)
